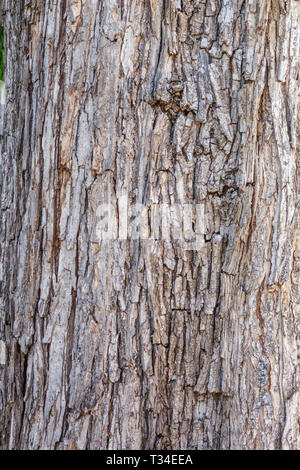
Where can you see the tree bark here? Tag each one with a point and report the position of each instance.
(143, 344)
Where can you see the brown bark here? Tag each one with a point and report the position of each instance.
(140, 344)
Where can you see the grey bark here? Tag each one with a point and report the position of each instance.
(136, 345)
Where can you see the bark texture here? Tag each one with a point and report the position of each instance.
(129, 344)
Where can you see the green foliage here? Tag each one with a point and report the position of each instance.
(1, 53)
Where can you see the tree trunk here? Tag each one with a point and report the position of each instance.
(119, 340)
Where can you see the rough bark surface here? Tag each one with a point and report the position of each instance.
(132, 344)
